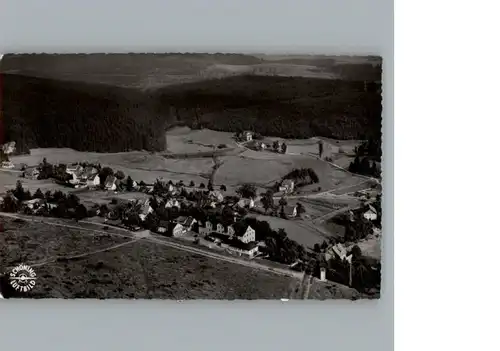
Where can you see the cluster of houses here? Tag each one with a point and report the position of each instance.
(239, 239)
(31, 173)
(234, 237)
(248, 137)
(35, 205)
(83, 176)
(277, 146)
(370, 214)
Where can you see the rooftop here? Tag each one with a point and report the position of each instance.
(234, 242)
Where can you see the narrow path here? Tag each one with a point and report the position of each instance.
(216, 166)
(307, 288)
(82, 255)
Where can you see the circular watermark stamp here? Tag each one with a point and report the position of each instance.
(22, 278)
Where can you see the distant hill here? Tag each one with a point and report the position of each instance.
(157, 70)
(40, 112)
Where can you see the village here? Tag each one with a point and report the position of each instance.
(202, 214)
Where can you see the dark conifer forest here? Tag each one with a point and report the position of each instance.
(41, 112)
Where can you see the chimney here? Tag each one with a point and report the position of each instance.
(323, 274)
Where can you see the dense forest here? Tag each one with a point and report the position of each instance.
(289, 107)
(40, 112)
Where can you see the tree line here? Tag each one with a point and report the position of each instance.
(303, 176)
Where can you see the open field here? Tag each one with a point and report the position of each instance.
(329, 290)
(137, 270)
(146, 270)
(321, 206)
(269, 167)
(296, 230)
(329, 176)
(236, 170)
(185, 140)
(32, 243)
(335, 229)
(371, 247)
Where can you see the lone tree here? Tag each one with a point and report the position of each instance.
(38, 194)
(120, 175)
(202, 186)
(223, 187)
(80, 212)
(267, 200)
(320, 148)
(300, 209)
(130, 184)
(284, 147)
(191, 183)
(19, 191)
(283, 203)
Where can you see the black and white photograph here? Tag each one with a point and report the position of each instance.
(180, 176)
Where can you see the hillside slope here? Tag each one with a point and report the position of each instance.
(39, 112)
(156, 70)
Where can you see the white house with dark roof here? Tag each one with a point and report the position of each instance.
(247, 135)
(246, 235)
(88, 172)
(110, 183)
(216, 195)
(187, 222)
(170, 188)
(93, 180)
(371, 213)
(172, 203)
(145, 209)
(337, 251)
(206, 229)
(178, 230)
(220, 228)
(247, 249)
